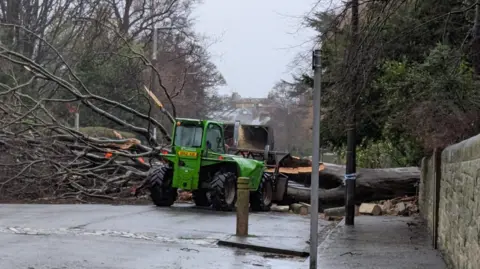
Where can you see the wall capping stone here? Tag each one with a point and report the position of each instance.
(463, 151)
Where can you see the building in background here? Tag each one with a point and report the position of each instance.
(252, 111)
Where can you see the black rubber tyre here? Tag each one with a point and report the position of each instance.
(161, 191)
(261, 199)
(224, 191)
(200, 198)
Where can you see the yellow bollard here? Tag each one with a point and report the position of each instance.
(243, 204)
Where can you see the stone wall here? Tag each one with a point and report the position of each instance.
(459, 203)
(426, 191)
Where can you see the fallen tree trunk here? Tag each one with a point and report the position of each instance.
(371, 184)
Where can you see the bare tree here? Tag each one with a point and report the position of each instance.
(88, 57)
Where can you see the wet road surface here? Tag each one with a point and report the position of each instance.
(121, 237)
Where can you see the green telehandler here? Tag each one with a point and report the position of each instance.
(197, 161)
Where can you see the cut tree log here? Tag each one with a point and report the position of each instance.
(334, 212)
(280, 208)
(400, 208)
(338, 211)
(371, 184)
(370, 209)
(299, 209)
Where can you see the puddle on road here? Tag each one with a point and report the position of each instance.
(82, 232)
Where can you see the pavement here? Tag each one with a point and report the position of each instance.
(380, 242)
(121, 237)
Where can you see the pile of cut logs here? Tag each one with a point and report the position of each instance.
(401, 206)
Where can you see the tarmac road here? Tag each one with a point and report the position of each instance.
(121, 237)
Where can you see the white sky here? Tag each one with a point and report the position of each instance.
(254, 41)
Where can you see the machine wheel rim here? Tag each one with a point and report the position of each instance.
(230, 192)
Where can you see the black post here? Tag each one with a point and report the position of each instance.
(350, 173)
(350, 177)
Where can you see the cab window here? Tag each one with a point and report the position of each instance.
(188, 135)
(214, 138)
